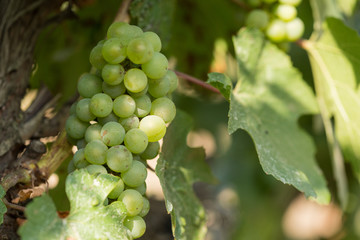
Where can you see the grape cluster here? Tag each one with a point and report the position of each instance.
(122, 114)
(277, 18)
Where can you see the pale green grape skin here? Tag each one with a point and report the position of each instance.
(95, 152)
(93, 132)
(285, 12)
(119, 188)
(276, 31)
(135, 80)
(133, 201)
(174, 80)
(79, 160)
(89, 85)
(135, 175)
(101, 105)
(130, 122)
(291, 2)
(294, 29)
(139, 51)
(139, 94)
(141, 189)
(136, 140)
(94, 169)
(119, 158)
(124, 31)
(154, 127)
(151, 151)
(156, 67)
(143, 106)
(81, 143)
(136, 225)
(96, 57)
(146, 208)
(109, 118)
(258, 19)
(114, 50)
(113, 90)
(75, 128)
(164, 108)
(116, 29)
(112, 133)
(113, 74)
(83, 110)
(159, 87)
(154, 39)
(124, 106)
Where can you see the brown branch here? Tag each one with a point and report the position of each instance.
(122, 14)
(149, 167)
(13, 206)
(197, 81)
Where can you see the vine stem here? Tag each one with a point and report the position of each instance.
(122, 15)
(196, 81)
(13, 206)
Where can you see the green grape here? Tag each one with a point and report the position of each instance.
(291, 2)
(101, 105)
(135, 80)
(151, 151)
(143, 106)
(141, 189)
(136, 225)
(156, 67)
(95, 152)
(164, 108)
(113, 90)
(139, 94)
(72, 110)
(96, 57)
(124, 106)
(89, 85)
(285, 12)
(96, 169)
(124, 31)
(75, 128)
(135, 175)
(112, 133)
(81, 143)
(294, 29)
(154, 39)
(138, 158)
(83, 110)
(133, 201)
(276, 31)
(79, 160)
(154, 127)
(119, 188)
(113, 74)
(257, 18)
(109, 118)
(71, 167)
(136, 140)
(139, 50)
(93, 132)
(71, 140)
(174, 81)
(146, 208)
(159, 87)
(114, 50)
(119, 158)
(130, 122)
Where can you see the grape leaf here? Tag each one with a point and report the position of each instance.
(267, 101)
(335, 62)
(221, 82)
(89, 217)
(3, 208)
(178, 168)
(347, 6)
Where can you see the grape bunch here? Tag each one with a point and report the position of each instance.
(277, 18)
(122, 114)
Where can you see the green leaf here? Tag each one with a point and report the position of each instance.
(178, 168)
(89, 217)
(221, 82)
(335, 62)
(267, 101)
(3, 208)
(347, 6)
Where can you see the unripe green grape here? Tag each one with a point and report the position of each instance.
(112, 133)
(159, 87)
(81, 143)
(79, 160)
(119, 188)
(136, 140)
(93, 132)
(139, 50)
(151, 151)
(96, 57)
(136, 225)
(154, 39)
(72, 110)
(135, 80)
(101, 105)
(141, 189)
(96, 169)
(143, 161)
(124, 106)
(83, 110)
(109, 118)
(71, 140)
(124, 31)
(75, 128)
(130, 122)
(113, 74)
(113, 90)
(164, 108)
(143, 106)
(114, 50)
(285, 12)
(89, 85)
(174, 81)
(154, 127)
(291, 2)
(257, 18)
(133, 201)
(119, 158)
(156, 67)
(71, 167)
(146, 208)
(139, 94)
(95, 152)
(135, 175)
(276, 31)
(294, 29)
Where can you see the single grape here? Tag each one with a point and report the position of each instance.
(164, 108)
(294, 29)
(83, 110)
(136, 225)
(93, 132)
(79, 160)
(119, 188)
(135, 80)
(112, 133)
(276, 31)
(136, 140)
(89, 85)
(113, 90)
(151, 151)
(135, 175)
(143, 106)
(159, 87)
(95, 152)
(130, 122)
(133, 201)
(124, 106)
(101, 105)
(154, 39)
(257, 18)
(291, 2)
(154, 127)
(146, 208)
(113, 74)
(71, 167)
(96, 57)
(119, 158)
(114, 50)
(141, 189)
(72, 110)
(174, 81)
(139, 94)
(156, 67)
(139, 50)
(124, 31)
(81, 143)
(109, 118)
(75, 128)
(285, 12)
(96, 169)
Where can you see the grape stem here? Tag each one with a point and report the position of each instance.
(149, 167)
(122, 15)
(197, 81)
(13, 206)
